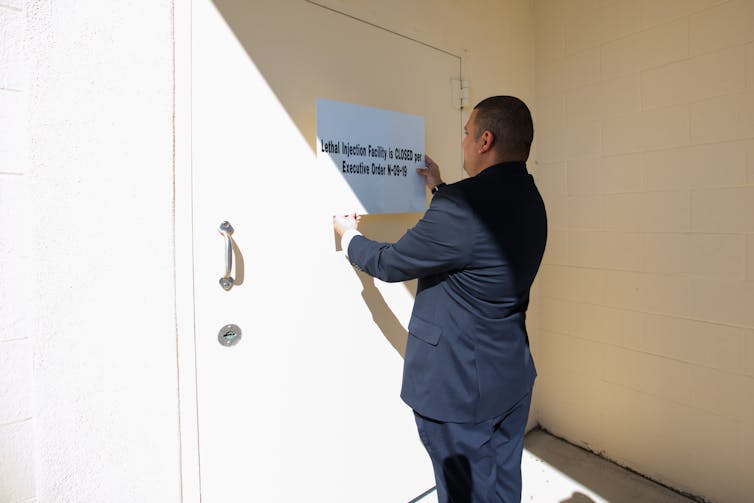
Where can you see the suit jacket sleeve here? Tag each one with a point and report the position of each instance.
(439, 242)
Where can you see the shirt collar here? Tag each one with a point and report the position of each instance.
(513, 168)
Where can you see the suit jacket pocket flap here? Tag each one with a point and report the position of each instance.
(424, 330)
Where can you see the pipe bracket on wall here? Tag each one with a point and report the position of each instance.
(226, 282)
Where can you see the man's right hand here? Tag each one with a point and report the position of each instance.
(342, 223)
(431, 173)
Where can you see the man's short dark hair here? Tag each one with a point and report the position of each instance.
(509, 120)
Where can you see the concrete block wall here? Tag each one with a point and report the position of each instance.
(644, 308)
(17, 483)
(101, 268)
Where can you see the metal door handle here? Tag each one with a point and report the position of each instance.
(226, 230)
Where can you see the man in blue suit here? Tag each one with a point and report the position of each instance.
(468, 372)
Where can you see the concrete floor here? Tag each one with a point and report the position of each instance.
(555, 471)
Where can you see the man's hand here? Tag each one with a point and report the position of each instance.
(431, 173)
(342, 223)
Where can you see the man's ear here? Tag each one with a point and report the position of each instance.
(488, 139)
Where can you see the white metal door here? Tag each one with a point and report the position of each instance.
(305, 407)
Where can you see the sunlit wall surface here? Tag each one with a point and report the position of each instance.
(100, 268)
(16, 410)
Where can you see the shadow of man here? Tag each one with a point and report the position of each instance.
(387, 228)
(382, 315)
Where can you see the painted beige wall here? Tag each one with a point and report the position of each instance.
(645, 150)
(493, 37)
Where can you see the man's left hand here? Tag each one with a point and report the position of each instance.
(430, 173)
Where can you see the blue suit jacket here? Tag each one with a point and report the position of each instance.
(476, 252)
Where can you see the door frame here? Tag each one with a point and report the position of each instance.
(183, 254)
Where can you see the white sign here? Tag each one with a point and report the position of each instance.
(376, 152)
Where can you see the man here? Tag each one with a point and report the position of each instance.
(468, 372)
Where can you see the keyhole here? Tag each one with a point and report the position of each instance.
(229, 335)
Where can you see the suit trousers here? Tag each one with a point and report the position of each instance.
(477, 462)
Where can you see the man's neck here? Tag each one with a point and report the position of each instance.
(500, 159)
